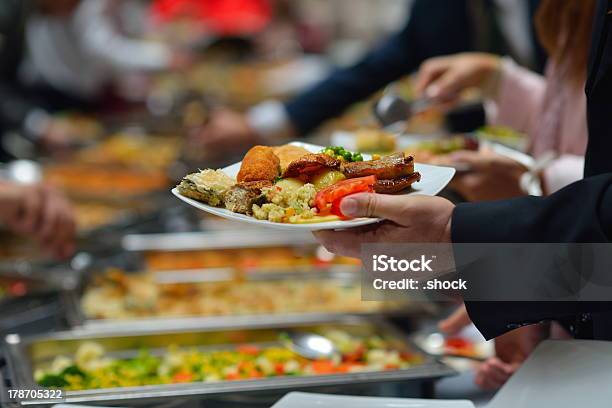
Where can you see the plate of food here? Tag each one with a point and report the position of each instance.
(300, 185)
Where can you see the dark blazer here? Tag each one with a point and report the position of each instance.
(581, 212)
(13, 107)
(435, 27)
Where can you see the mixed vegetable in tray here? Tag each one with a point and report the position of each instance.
(92, 368)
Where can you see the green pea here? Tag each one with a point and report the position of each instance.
(348, 156)
(357, 157)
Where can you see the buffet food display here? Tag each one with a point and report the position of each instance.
(133, 151)
(92, 368)
(92, 181)
(268, 259)
(118, 295)
(154, 365)
(431, 151)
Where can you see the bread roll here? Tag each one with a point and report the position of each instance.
(259, 164)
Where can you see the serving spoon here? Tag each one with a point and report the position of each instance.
(391, 109)
(311, 346)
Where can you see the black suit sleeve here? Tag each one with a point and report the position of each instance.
(14, 102)
(436, 27)
(581, 212)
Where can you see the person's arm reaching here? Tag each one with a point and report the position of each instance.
(434, 28)
(40, 213)
(517, 86)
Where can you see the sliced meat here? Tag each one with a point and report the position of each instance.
(311, 164)
(388, 167)
(288, 154)
(241, 197)
(396, 185)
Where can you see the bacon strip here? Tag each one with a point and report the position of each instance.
(392, 186)
(389, 167)
(311, 164)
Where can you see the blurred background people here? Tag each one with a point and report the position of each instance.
(434, 28)
(61, 55)
(550, 109)
(39, 212)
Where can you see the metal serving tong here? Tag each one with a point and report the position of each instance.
(391, 108)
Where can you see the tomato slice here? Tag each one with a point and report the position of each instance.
(248, 349)
(323, 367)
(328, 200)
(182, 377)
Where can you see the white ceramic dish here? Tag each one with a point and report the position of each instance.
(433, 180)
(306, 400)
(561, 374)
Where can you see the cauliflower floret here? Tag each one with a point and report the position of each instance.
(303, 197)
(266, 366)
(292, 366)
(88, 352)
(269, 212)
(299, 199)
(59, 363)
(212, 378)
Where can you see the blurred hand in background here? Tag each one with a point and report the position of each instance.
(490, 176)
(226, 132)
(511, 349)
(39, 212)
(181, 59)
(442, 79)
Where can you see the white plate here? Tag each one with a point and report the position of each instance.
(306, 400)
(433, 180)
(561, 374)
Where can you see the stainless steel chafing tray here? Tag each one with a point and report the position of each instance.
(339, 275)
(25, 354)
(229, 239)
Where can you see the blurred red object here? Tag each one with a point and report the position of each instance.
(222, 17)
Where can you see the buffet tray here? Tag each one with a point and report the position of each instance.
(24, 354)
(230, 239)
(136, 245)
(340, 275)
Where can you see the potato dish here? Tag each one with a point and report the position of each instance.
(246, 259)
(135, 151)
(96, 181)
(118, 295)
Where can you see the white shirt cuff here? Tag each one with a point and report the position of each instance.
(269, 119)
(36, 123)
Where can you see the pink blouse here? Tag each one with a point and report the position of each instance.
(551, 112)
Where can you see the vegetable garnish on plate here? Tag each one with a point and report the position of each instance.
(328, 199)
(287, 185)
(342, 154)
